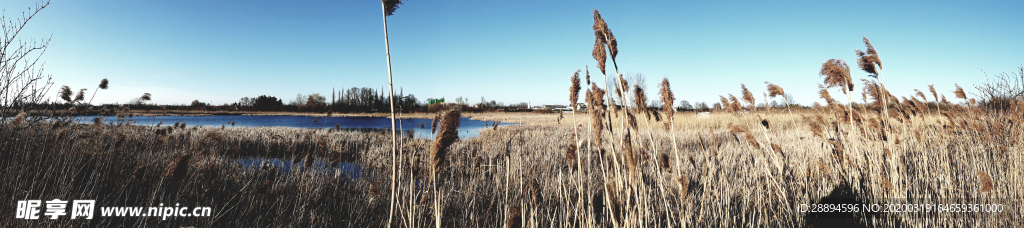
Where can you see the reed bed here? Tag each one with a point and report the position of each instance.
(520, 174)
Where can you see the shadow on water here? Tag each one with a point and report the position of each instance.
(842, 194)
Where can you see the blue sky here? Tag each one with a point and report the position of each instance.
(510, 51)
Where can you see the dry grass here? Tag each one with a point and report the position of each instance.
(950, 160)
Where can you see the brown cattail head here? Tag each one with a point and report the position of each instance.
(747, 96)
(837, 74)
(867, 60)
(104, 83)
(959, 92)
(390, 6)
(574, 89)
(774, 90)
(178, 169)
(447, 133)
(81, 95)
(667, 99)
(65, 93)
(986, 181)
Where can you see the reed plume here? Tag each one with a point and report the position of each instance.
(104, 84)
(735, 103)
(307, 161)
(570, 154)
(667, 99)
(837, 74)
(867, 60)
(599, 53)
(19, 120)
(596, 107)
(747, 96)
(574, 90)
(627, 149)
(588, 74)
(934, 94)
(601, 30)
(65, 93)
(640, 100)
(80, 96)
(177, 170)
(920, 94)
(959, 92)
(776, 90)
(824, 94)
(447, 133)
(390, 6)
(725, 103)
(684, 187)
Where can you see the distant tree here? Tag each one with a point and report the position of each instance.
(702, 106)
(245, 101)
(685, 106)
(266, 103)
(299, 100)
(315, 99)
(197, 104)
(790, 100)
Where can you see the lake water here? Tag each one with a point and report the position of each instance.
(467, 129)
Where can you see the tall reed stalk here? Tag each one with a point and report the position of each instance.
(388, 8)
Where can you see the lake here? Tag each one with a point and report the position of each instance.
(467, 129)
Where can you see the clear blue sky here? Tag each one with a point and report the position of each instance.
(510, 51)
